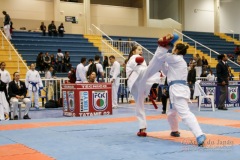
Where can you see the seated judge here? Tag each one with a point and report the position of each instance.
(17, 93)
(92, 78)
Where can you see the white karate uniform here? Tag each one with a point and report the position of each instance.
(115, 74)
(4, 106)
(33, 77)
(81, 74)
(179, 93)
(5, 76)
(134, 73)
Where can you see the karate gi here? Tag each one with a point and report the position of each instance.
(33, 83)
(134, 74)
(81, 74)
(115, 74)
(4, 106)
(179, 93)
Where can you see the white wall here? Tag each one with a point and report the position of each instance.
(114, 15)
(229, 16)
(203, 19)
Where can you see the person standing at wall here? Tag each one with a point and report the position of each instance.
(7, 23)
(34, 84)
(191, 78)
(222, 80)
(114, 79)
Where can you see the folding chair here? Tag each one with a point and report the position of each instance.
(203, 96)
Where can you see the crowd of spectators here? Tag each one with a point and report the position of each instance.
(52, 29)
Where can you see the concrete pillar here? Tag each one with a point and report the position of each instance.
(56, 10)
(145, 16)
(216, 15)
(87, 15)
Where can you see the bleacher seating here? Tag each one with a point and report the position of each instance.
(213, 42)
(29, 44)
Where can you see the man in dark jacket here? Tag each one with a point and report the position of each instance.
(6, 23)
(222, 80)
(191, 79)
(52, 30)
(17, 92)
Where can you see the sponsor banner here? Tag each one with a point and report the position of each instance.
(71, 100)
(65, 104)
(84, 101)
(100, 100)
(233, 94)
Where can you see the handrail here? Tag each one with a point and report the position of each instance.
(19, 57)
(104, 41)
(211, 50)
(102, 32)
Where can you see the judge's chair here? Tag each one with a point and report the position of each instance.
(202, 95)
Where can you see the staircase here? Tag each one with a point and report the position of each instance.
(10, 56)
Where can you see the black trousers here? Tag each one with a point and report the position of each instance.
(164, 102)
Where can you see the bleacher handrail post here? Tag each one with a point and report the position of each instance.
(10, 45)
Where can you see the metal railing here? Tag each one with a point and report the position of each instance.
(10, 48)
(200, 44)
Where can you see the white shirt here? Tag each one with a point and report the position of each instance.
(5, 76)
(48, 75)
(99, 67)
(59, 55)
(81, 73)
(210, 77)
(33, 76)
(86, 67)
(115, 70)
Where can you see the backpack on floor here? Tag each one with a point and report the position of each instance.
(51, 104)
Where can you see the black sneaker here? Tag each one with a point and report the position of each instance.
(26, 117)
(222, 108)
(15, 117)
(175, 134)
(163, 112)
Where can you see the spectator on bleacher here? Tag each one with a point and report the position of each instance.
(231, 76)
(210, 76)
(5, 76)
(191, 79)
(81, 72)
(238, 59)
(59, 60)
(49, 75)
(198, 65)
(204, 63)
(192, 62)
(61, 30)
(40, 63)
(47, 61)
(6, 24)
(105, 63)
(43, 28)
(67, 65)
(92, 78)
(90, 61)
(17, 92)
(237, 50)
(72, 75)
(52, 30)
(53, 62)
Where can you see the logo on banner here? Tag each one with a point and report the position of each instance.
(84, 106)
(65, 106)
(233, 94)
(211, 91)
(71, 100)
(100, 100)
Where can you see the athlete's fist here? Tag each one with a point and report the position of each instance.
(139, 60)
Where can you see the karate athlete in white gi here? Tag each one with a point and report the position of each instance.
(178, 90)
(34, 84)
(114, 79)
(5, 76)
(81, 72)
(4, 106)
(136, 67)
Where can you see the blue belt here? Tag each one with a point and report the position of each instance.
(34, 86)
(178, 82)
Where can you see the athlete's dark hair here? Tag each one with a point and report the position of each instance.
(182, 48)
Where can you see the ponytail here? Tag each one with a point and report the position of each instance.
(182, 49)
